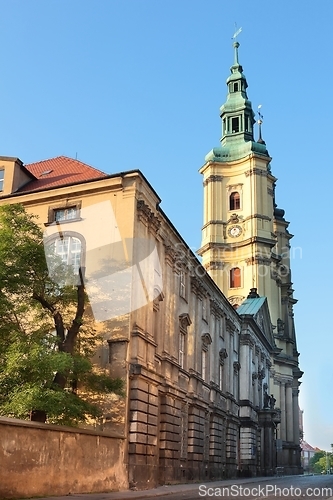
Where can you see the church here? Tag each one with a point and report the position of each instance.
(206, 346)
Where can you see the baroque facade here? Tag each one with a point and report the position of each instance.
(246, 243)
(210, 365)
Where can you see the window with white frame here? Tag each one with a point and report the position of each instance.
(2, 177)
(68, 249)
(182, 284)
(221, 377)
(204, 308)
(204, 363)
(64, 214)
(205, 369)
(182, 345)
(184, 323)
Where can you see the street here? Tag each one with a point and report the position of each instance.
(288, 487)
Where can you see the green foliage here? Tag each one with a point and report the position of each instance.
(321, 461)
(37, 315)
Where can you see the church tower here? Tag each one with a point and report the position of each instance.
(246, 243)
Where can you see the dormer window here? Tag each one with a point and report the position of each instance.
(2, 175)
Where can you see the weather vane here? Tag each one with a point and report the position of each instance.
(235, 35)
(260, 115)
(259, 123)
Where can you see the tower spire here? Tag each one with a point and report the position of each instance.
(237, 116)
(260, 140)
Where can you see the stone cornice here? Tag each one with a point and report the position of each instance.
(146, 215)
(256, 171)
(213, 178)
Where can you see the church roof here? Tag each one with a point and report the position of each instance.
(59, 171)
(251, 306)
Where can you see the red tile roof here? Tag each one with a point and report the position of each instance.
(307, 447)
(59, 171)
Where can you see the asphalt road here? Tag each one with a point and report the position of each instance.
(288, 487)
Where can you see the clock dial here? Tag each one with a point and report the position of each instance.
(234, 231)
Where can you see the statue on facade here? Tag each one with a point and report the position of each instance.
(272, 402)
(267, 400)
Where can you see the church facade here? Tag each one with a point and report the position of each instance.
(246, 243)
(207, 349)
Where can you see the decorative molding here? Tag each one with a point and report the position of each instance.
(212, 178)
(215, 308)
(206, 339)
(261, 373)
(235, 187)
(158, 298)
(198, 288)
(184, 322)
(147, 216)
(256, 171)
(233, 219)
(214, 265)
(223, 354)
(258, 259)
(258, 216)
(170, 254)
(236, 299)
(237, 366)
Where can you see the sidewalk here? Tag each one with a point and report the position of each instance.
(161, 490)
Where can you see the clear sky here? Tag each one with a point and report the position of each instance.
(137, 84)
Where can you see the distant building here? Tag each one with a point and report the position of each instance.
(207, 351)
(306, 454)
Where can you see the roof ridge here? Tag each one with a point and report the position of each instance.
(65, 158)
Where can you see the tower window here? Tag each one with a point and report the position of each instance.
(235, 277)
(236, 87)
(235, 124)
(247, 126)
(234, 201)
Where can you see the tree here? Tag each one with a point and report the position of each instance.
(314, 461)
(46, 340)
(321, 461)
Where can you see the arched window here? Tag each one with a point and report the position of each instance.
(234, 201)
(235, 277)
(69, 249)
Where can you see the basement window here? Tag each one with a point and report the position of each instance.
(2, 175)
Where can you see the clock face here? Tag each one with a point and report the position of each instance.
(234, 231)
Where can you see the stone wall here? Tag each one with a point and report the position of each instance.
(41, 459)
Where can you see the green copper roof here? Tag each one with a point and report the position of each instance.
(251, 306)
(237, 120)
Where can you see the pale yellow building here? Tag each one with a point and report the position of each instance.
(246, 243)
(207, 350)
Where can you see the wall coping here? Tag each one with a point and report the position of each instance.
(58, 428)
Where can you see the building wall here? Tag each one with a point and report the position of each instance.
(177, 346)
(40, 459)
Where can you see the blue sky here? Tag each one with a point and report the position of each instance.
(137, 84)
